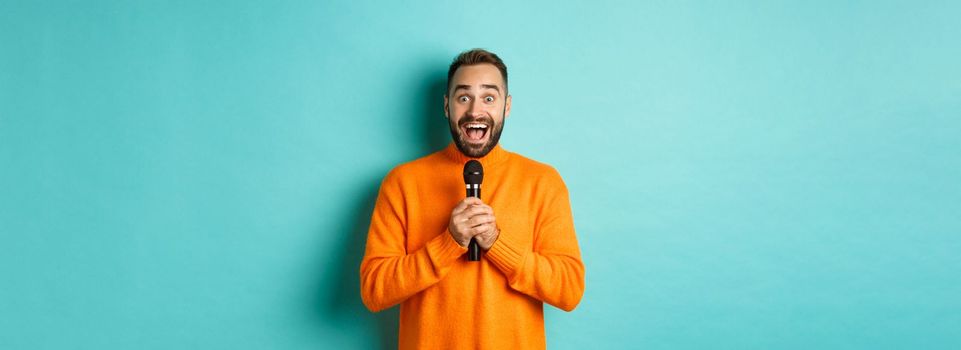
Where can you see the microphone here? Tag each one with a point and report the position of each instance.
(473, 177)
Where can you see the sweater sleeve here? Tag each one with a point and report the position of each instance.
(388, 273)
(551, 270)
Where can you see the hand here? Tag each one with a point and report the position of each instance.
(486, 239)
(472, 218)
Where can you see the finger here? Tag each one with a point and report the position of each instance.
(472, 201)
(463, 204)
(463, 220)
(483, 206)
(474, 210)
(480, 219)
(486, 208)
(480, 229)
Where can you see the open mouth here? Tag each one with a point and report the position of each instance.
(475, 132)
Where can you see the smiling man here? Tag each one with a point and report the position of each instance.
(422, 224)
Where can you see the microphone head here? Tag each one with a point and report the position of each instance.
(473, 172)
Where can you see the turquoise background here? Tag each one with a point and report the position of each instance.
(744, 175)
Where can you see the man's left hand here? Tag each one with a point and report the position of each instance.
(486, 239)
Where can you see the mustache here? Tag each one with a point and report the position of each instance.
(467, 120)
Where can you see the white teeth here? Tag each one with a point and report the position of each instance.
(477, 126)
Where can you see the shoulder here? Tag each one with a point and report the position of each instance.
(414, 169)
(539, 171)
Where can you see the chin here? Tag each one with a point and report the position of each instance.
(475, 150)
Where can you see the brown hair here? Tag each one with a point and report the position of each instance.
(476, 56)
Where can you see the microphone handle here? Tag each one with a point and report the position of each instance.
(473, 249)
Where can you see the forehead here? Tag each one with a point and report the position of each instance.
(476, 75)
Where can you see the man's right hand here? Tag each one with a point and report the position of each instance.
(469, 218)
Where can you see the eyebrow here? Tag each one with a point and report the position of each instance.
(488, 86)
(485, 86)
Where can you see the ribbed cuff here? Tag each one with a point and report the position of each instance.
(444, 250)
(507, 255)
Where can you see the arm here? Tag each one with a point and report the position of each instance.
(550, 271)
(388, 274)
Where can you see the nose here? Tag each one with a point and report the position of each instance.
(475, 108)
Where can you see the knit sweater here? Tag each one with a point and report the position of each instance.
(448, 302)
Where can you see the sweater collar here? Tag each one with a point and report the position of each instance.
(496, 155)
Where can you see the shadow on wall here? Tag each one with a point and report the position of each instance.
(340, 299)
(436, 133)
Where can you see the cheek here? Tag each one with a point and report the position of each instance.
(453, 120)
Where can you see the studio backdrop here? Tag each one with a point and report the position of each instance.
(743, 174)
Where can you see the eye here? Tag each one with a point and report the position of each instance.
(463, 98)
(489, 99)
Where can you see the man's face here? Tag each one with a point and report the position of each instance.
(476, 106)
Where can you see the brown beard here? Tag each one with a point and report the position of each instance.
(466, 148)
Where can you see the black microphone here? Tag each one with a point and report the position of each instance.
(473, 177)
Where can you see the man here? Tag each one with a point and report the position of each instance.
(422, 224)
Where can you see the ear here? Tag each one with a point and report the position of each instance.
(446, 108)
(507, 107)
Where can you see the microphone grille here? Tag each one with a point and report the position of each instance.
(473, 172)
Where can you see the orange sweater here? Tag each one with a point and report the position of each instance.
(448, 302)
